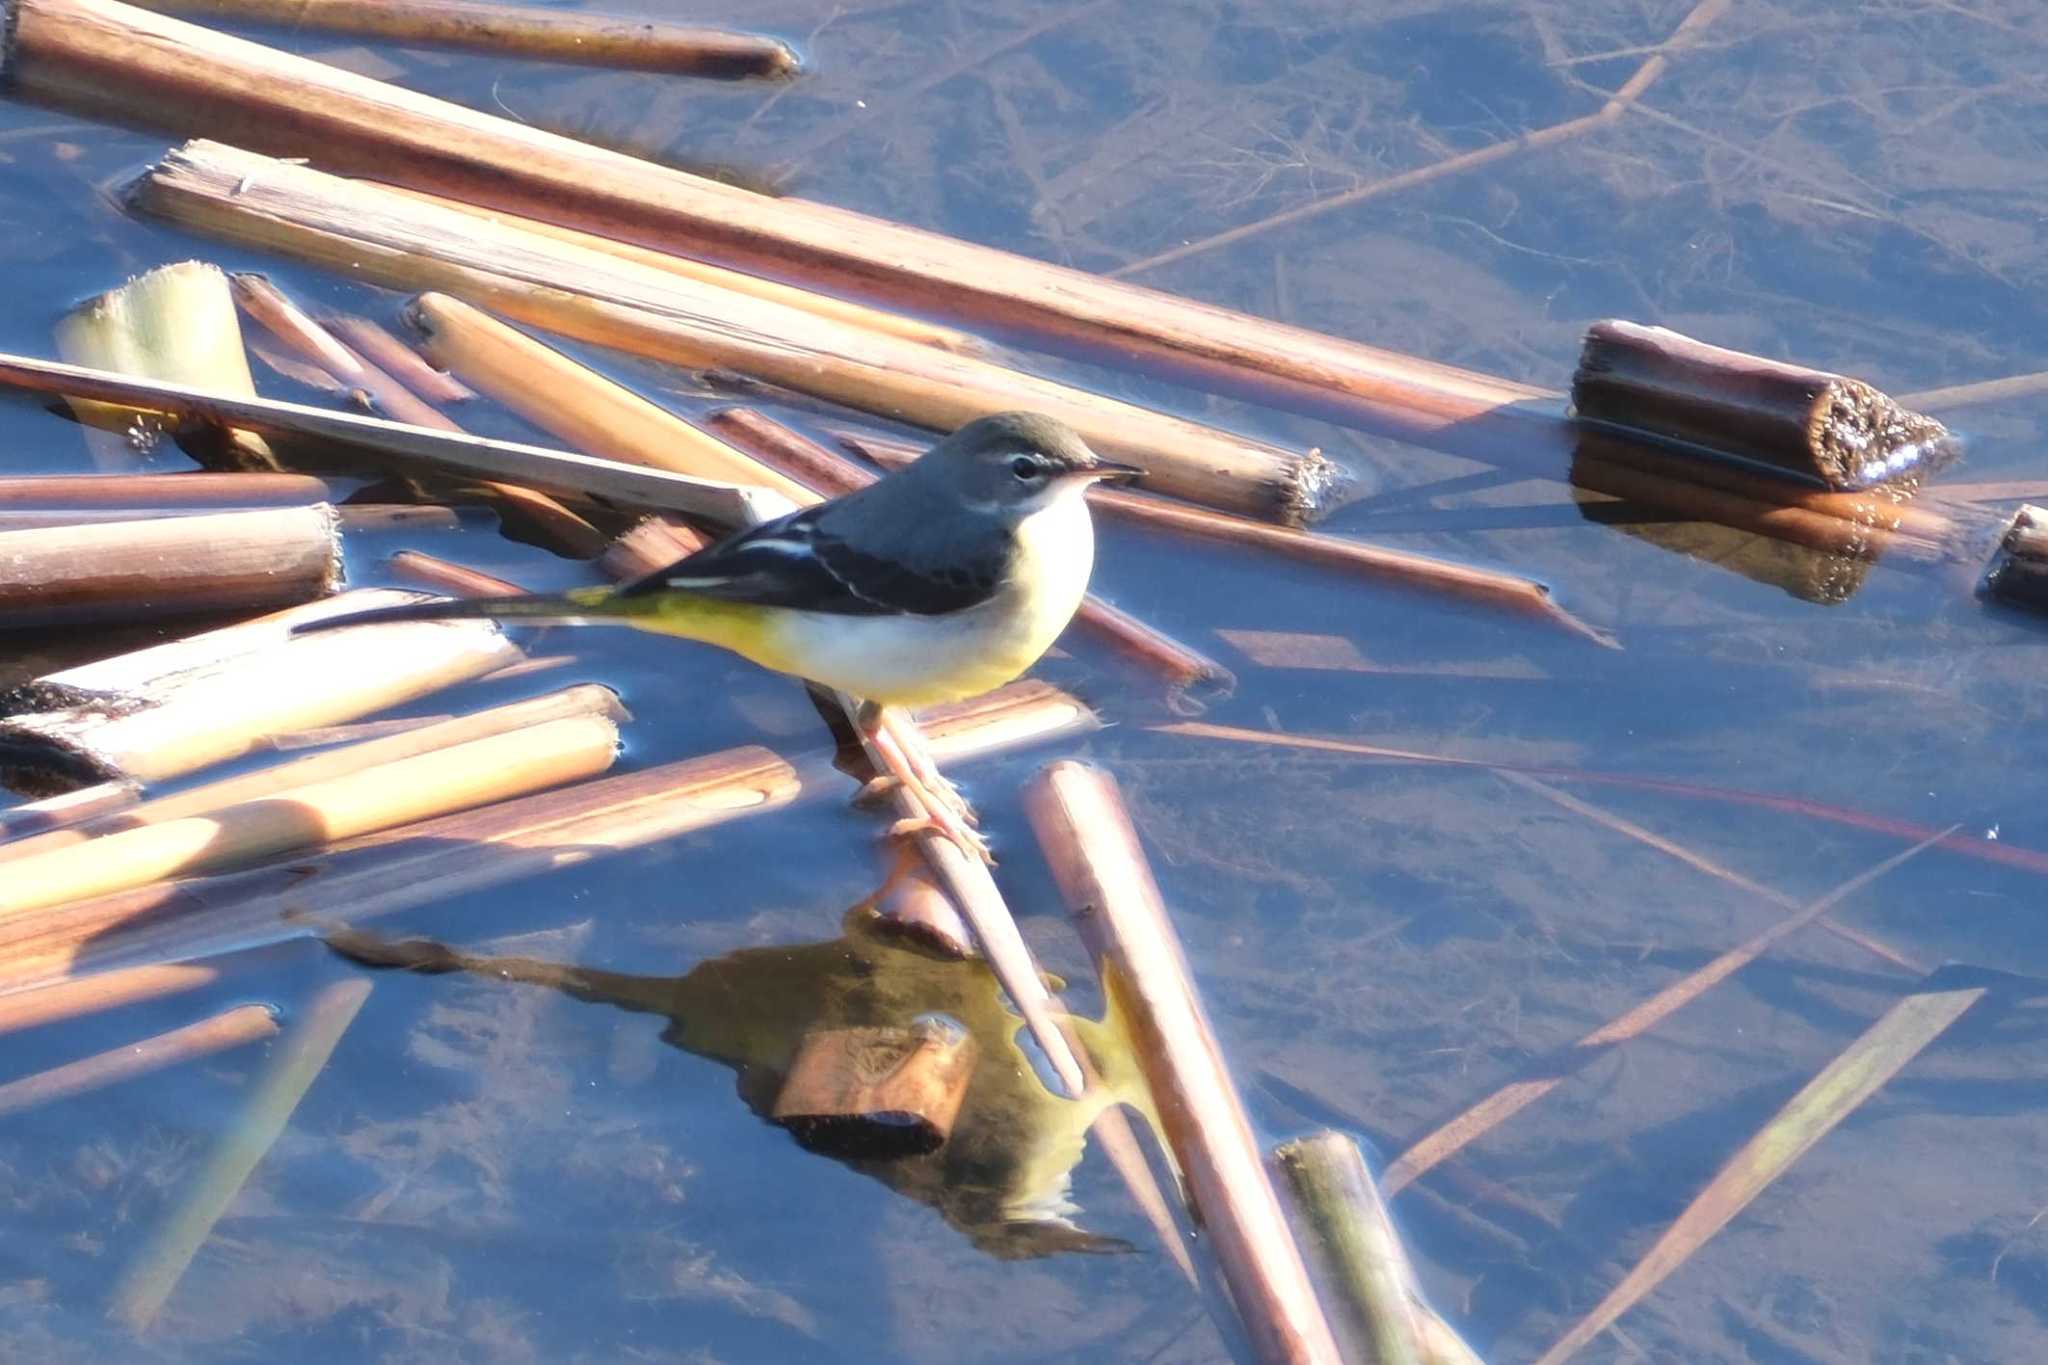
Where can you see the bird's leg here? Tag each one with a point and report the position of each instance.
(934, 803)
(909, 742)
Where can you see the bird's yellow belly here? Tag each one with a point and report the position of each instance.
(904, 660)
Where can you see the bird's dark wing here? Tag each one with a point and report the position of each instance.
(796, 561)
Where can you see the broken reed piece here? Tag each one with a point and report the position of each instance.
(177, 707)
(371, 233)
(168, 566)
(396, 445)
(380, 392)
(2019, 570)
(288, 1073)
(477, 849)
(585, 410)
(1864, 1067)
(379, 347)
(577, 37)
(420, 787)
(153, 492)
(174, 324)
(828, 474)
(446, 577)
(1487, 587)
(649, 546)
(1838, 431)
(1087, 837)
(825, 305)
(877, 1094)
(234, 1028)
(95, 994)
(293, 327)
(1359, 1254)
(586, 700)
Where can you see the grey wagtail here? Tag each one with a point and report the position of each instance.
(940, 581)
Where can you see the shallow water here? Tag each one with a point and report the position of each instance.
(490, 1171)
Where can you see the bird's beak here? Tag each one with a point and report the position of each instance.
(1109, 471)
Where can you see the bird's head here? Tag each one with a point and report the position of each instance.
(1017, 463)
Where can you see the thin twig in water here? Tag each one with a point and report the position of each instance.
(1646, 75)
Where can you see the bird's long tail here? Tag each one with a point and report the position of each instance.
(580, 606)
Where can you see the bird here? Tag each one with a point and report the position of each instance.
(941, 580)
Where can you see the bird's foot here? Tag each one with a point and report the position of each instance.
(965, 837)
(908, 762)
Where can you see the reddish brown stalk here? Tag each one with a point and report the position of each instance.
(445, 576)
(90, 492)
(243, 1024)
(576, 37)
(378, 346)
(1985, 850)
(1087, 837)
(1483, 1117)
(649, 546)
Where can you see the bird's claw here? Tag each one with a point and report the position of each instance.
(964, 837)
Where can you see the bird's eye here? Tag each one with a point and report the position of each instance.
(1026, 468)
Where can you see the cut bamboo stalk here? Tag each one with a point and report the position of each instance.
(825, 305)
(1486, 587)
(94, 994)
(451, 579)
(208, 562)
(1841, 432)
(428, 862)
(154, 492)
(580, 407)
(1102, 874)
(1452, 1137)
(545, 35)
(177, 707)
(174, 324)
(822, 473)
(397, 445)
(421, 787)
(238, 1026)
(293, 1067)
(877, 1094)
(379, 347)
(276, 781)
(1355, 1244)
(591, 296)
(1880, 1053)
